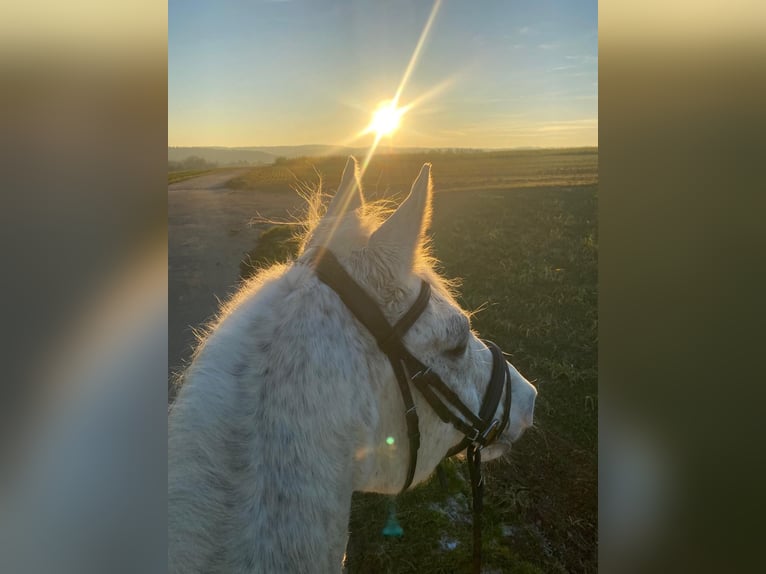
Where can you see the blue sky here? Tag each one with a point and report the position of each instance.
(290, 72)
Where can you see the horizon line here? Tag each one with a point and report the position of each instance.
(242, 147)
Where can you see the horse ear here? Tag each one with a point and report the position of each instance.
(400, 236)
(349, 194)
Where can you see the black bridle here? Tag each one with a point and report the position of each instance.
(478, 430)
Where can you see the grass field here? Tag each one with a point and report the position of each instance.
(455, 171)
(522, 235)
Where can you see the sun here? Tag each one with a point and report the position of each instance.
(386, 119)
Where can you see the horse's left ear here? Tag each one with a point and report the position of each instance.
(401, 235)
(349, 194)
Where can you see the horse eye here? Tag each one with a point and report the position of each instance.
(457, 352)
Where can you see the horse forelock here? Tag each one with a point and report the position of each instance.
(348, 238)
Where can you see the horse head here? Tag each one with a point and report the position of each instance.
(390, 260)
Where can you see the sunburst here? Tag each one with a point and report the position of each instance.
(386, 119)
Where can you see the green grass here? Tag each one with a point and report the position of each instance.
(176, 176)
(529, 255)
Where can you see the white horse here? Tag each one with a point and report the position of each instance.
(289, 405)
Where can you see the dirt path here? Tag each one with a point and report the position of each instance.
(210, 181)
(209, 231)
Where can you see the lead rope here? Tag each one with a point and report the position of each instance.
(393, 529)
(477, 490)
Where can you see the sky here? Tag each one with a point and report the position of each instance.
(490, 74)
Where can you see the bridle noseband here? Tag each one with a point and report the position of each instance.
(478, 430)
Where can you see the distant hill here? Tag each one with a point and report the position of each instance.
(222, 155)
(266, 155)
(262, 155)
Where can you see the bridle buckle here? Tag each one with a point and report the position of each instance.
(482, 439)
(420, 373)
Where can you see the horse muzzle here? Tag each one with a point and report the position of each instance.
(522, 406)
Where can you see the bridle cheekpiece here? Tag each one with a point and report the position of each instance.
(478, 430)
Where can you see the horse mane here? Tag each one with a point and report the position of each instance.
(372, 214)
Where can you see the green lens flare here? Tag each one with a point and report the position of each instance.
(390, 441)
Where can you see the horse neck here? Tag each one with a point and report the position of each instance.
(270, 422)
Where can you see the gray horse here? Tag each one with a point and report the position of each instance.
(289, 405)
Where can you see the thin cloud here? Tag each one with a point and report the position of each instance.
(548, 46)
(582, 58)
(505, 131)
(584, 124)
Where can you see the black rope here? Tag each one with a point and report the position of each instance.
(477, 490)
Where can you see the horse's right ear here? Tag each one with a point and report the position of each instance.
(401, 235)
(349, 194)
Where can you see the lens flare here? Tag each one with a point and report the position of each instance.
(386, 119)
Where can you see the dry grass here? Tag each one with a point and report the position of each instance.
(454, 171)
(176, 176)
